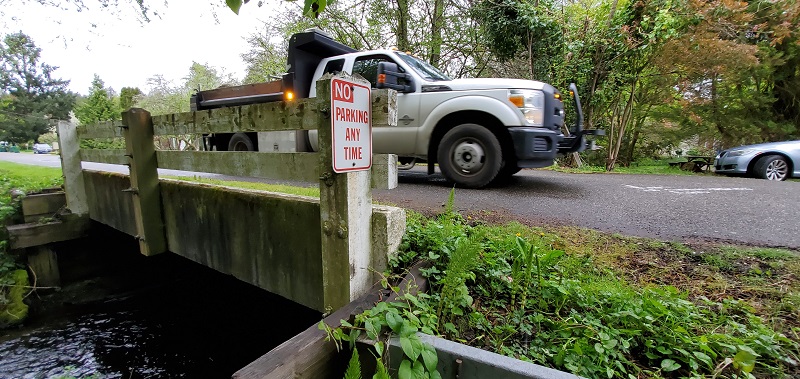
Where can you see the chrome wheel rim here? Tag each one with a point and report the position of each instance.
(777, 170)
(468, 156)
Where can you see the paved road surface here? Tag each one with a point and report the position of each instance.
(741, 210)
(676, 207)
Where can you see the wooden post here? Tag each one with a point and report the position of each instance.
(71, 167)
(345, 202)
(43, 263)
(138, 133)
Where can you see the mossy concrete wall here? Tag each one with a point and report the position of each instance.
(270, 240)
(107, 202)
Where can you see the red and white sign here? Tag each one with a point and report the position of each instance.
(351, 110)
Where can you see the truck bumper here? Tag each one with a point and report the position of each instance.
(535, 147)
(539, 147)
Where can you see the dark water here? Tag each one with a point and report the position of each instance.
(145, 317)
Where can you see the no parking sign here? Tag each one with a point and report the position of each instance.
(351, 132)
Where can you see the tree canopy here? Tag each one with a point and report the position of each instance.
(98, 106)
(30, 96)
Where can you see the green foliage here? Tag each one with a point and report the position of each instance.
(30, 97)
(165, 97)
(103, 143)
(354, 367)
(234, 5)
(127, 97)
(99, 106)
(13, 277)
(526, 299)
(13, 309)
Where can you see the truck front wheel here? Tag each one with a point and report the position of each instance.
(240, 142)
(470, 156)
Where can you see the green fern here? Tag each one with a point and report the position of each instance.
(380, 371)
(448, 209)
(354, 367)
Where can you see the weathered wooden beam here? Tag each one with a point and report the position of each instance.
(281, 115)
(279, 166)
(384, 107)
(39, 205)
(105, 129)
(384, 171)
(138, 132)
(111, 156)
(43, 262)
(71, 168)
(308, 355)
(36, 234)
(275, 116)
(345, 214)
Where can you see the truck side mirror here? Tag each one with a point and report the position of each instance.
(388, 73)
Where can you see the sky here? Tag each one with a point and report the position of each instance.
(125, 52)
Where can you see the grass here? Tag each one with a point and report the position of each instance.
(280, 188)
(27, 177)
(648, 166)
(606, 305)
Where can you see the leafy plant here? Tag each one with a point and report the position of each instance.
(509, 290)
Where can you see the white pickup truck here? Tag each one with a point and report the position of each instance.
(477, 130)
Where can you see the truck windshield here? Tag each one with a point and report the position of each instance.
(423, 68)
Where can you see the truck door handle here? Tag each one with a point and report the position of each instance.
(406, 120)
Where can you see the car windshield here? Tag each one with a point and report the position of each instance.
(424, 69)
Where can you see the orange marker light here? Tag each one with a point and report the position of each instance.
(517, 100)
(558, 96)
(381, 78)
(289, 95)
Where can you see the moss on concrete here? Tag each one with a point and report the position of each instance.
(13, 309)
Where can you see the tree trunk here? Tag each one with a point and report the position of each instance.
(436, 32)
(402, 26)
(624, 119)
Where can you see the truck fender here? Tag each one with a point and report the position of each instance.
(503, 112)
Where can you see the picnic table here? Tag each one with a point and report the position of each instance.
(696, 163)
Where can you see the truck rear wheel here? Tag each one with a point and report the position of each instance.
(470, 156)
(240, 142)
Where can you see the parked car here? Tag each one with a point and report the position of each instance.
(771, 161)
(42, 148)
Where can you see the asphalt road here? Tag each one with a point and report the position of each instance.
(707, 207)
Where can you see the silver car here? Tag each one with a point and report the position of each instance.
(42, 148)
(771, 161)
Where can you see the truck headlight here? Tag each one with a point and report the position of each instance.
(530, 102)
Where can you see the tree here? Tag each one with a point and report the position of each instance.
(127, 97)
(99, 106)
(31, 96)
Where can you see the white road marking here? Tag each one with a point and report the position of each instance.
(688, 191)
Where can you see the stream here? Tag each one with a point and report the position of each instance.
(122, 315)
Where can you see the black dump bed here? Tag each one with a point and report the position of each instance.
(306, 50)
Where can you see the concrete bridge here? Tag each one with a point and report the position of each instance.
(322, 253)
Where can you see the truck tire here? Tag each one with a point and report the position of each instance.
(240, 142)
(506, 172)
(470, 156)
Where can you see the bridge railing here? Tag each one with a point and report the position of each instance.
(345, 204)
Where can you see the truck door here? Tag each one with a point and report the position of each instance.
(400, 139)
